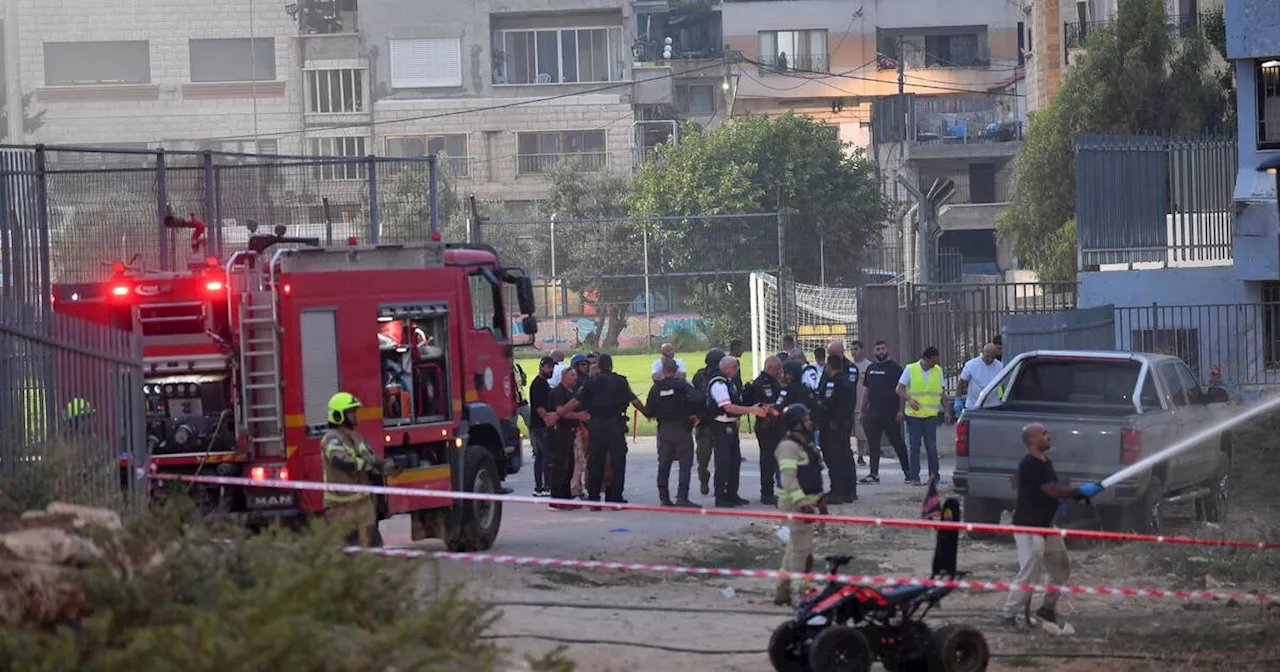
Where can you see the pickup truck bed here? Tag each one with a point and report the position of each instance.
(1104, 411)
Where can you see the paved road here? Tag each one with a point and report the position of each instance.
(540, 531)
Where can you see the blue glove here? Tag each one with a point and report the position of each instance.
(958, 406)
(1090, 490)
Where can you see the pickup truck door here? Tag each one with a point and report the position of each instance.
(1202, 459)
(1184, 422)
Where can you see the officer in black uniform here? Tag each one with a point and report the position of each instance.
(794, 391)
(605, 398)
(727, 400)
(672, 401)
(836, 397)
(769, 429)
(702, 433)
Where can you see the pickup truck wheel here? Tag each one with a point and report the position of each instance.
(986, 511)
(1147, 514)
(1213, 507)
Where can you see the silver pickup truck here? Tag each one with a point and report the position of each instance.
(1105, 410)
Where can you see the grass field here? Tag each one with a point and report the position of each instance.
(636, 369)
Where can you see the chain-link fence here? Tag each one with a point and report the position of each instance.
(98, 206)
(633, 283)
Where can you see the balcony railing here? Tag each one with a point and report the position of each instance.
(534, 164)
(779, 63)
(1076, 35)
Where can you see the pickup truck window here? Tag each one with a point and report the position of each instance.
(1066, 381)
(1189, 384)
(1169, 376)
(1150, 394)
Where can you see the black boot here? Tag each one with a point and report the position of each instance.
(664, 497)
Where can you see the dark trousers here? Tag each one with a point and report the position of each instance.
(675, 444)
(837, 452)
(768, 438)
(885, 427)
(607, 443)
(559, 449)
(705, 447)
(728, 454)
(538, 441)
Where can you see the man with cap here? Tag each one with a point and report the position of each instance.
(539, 394)
(702, 433)
(673, 401)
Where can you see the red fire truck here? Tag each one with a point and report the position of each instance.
(241, 358)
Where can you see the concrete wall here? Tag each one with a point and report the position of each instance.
(852, 43)
(170, 107)
(1253, 29)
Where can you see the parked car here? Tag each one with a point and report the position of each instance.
(1105, 410)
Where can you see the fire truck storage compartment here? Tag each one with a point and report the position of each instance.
(413, 340)
(189, 414)
(318, 331)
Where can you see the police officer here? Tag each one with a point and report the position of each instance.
(794, 391)
(349, 461)
(727, 399)
(702, 433)
(605, 398)
(836, 393)
(765, 390)
(801, 469)
(672, 401)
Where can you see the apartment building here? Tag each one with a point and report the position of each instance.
(931, 92)
(1058, 31)
(144, 73)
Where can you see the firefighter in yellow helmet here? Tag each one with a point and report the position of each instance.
(348, 460)
(79, 416)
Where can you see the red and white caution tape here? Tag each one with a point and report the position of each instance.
(406, 553)
(736, 513)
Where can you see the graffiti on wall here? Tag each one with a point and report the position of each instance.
(574, 333)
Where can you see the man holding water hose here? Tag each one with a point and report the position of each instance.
(1039, 497)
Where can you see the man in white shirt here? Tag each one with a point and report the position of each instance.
(977, 374)
(558, 356)
(811, 373)
(724, 432)
(668, 353)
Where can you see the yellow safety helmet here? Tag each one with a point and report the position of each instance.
(78, 407)
(339, 405)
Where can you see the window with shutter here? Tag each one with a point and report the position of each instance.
(426, 63)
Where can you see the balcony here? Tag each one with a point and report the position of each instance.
(782, 63)
(1075, 36)
(969, 49)
(327, 17)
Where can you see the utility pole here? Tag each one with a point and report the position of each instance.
(902, 99)
(13, 75)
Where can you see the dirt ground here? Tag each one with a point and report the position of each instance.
(622, 621)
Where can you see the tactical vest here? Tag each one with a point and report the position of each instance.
(734, 397)
(809, 473)
(927, 393)
(354, 445)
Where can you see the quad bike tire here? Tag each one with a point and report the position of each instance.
(474, 526)
(958, 648)
(841, 648)
(1213, 507)
(787, 650)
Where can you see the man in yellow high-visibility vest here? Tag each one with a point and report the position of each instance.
(920, 388)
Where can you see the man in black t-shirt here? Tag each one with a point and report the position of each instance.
(882, 411)
(1039, 497)
(539, 391)
(605, 398)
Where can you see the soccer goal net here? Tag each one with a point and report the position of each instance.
(813, 314)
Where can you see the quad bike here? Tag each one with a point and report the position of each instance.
(846, 627)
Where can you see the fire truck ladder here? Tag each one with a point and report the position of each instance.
(259, 415)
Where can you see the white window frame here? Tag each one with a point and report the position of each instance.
(610, 52)
(541, 166)
(344, 147)
(459, 166)
(350, 92)
(1268, 89)
(409, 80)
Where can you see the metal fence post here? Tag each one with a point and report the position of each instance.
(42, 222)
(648, 313)
(434, 196)
(214, 235)
(162, 202)
(372, 167)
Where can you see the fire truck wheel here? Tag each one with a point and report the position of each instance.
(479, 520)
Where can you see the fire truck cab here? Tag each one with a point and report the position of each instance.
(241, 359)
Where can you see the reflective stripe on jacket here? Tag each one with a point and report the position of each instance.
(927, 392)
(341, 443)
(799, 468)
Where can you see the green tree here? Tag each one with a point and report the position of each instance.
(404, 205)
(590, 254)
(1135, 77)
(30, 122)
